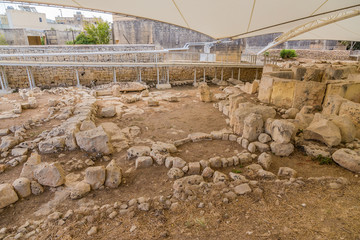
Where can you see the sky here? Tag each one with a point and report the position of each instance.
(52, 12)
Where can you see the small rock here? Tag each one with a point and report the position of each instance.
(92, 231)
(287, 172)
(242, 189)
(95, 176)
(175, 173)
(143, 162)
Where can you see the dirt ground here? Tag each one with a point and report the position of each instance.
(308, 211)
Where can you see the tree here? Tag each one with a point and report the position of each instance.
(94, 34)
(82, 38)
(3, 40)
(99, 33)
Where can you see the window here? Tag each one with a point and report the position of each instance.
(40, 19)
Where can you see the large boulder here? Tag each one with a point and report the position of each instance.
(138, 151)
(253, 126)
(95, 176)
(52, 145)
(7, 142)
(79, 190)
(107, 112)
(50, 174)
(238, 116)
(348, 159)
(143, 162)
(22, 187)
(282, 149)
(7, 195)
(352, 109)
(282, 130)
(113, 175)
(94, 140)
(346, 126)
(30, 165)
(324, 131)
(205, 93)
(164, 147)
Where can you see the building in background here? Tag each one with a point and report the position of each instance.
(26, 26)
(78, 21)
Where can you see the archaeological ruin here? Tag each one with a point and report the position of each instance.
(205, 141)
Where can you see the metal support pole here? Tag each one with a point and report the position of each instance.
(2, 84)
(4, 78)
(32, 77)
(204, 74)
(215, 73)
(222, 73)
(256, 76)
(139, 74)
(28, 73)
(77, 78)
(168, 75)
(239, 74)
(157, 74)
(232, 73)
(114, 74)
(195, 76)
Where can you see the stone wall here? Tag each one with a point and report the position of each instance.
(55, 76)
(318, 54)
(15, 36)
(66, 76)
(74, 48)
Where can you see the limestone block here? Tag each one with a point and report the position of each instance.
(205, 93)
(113, 175)
(253, 126)
(324, 131)
(265, 88)
(79, 190)
(7, 195)
(282, 130)
(308, 93)
(348, 159)
(51, 175)
(94, 140)
(352, 110)
(95, 176)
(22, 187)
(283, 93)
(143, 162)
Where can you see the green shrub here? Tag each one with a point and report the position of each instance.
(3, 40)
(323, 160)
(287, 53)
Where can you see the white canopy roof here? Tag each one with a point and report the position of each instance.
(232, 18)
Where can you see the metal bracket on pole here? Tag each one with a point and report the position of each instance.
(29, 77)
